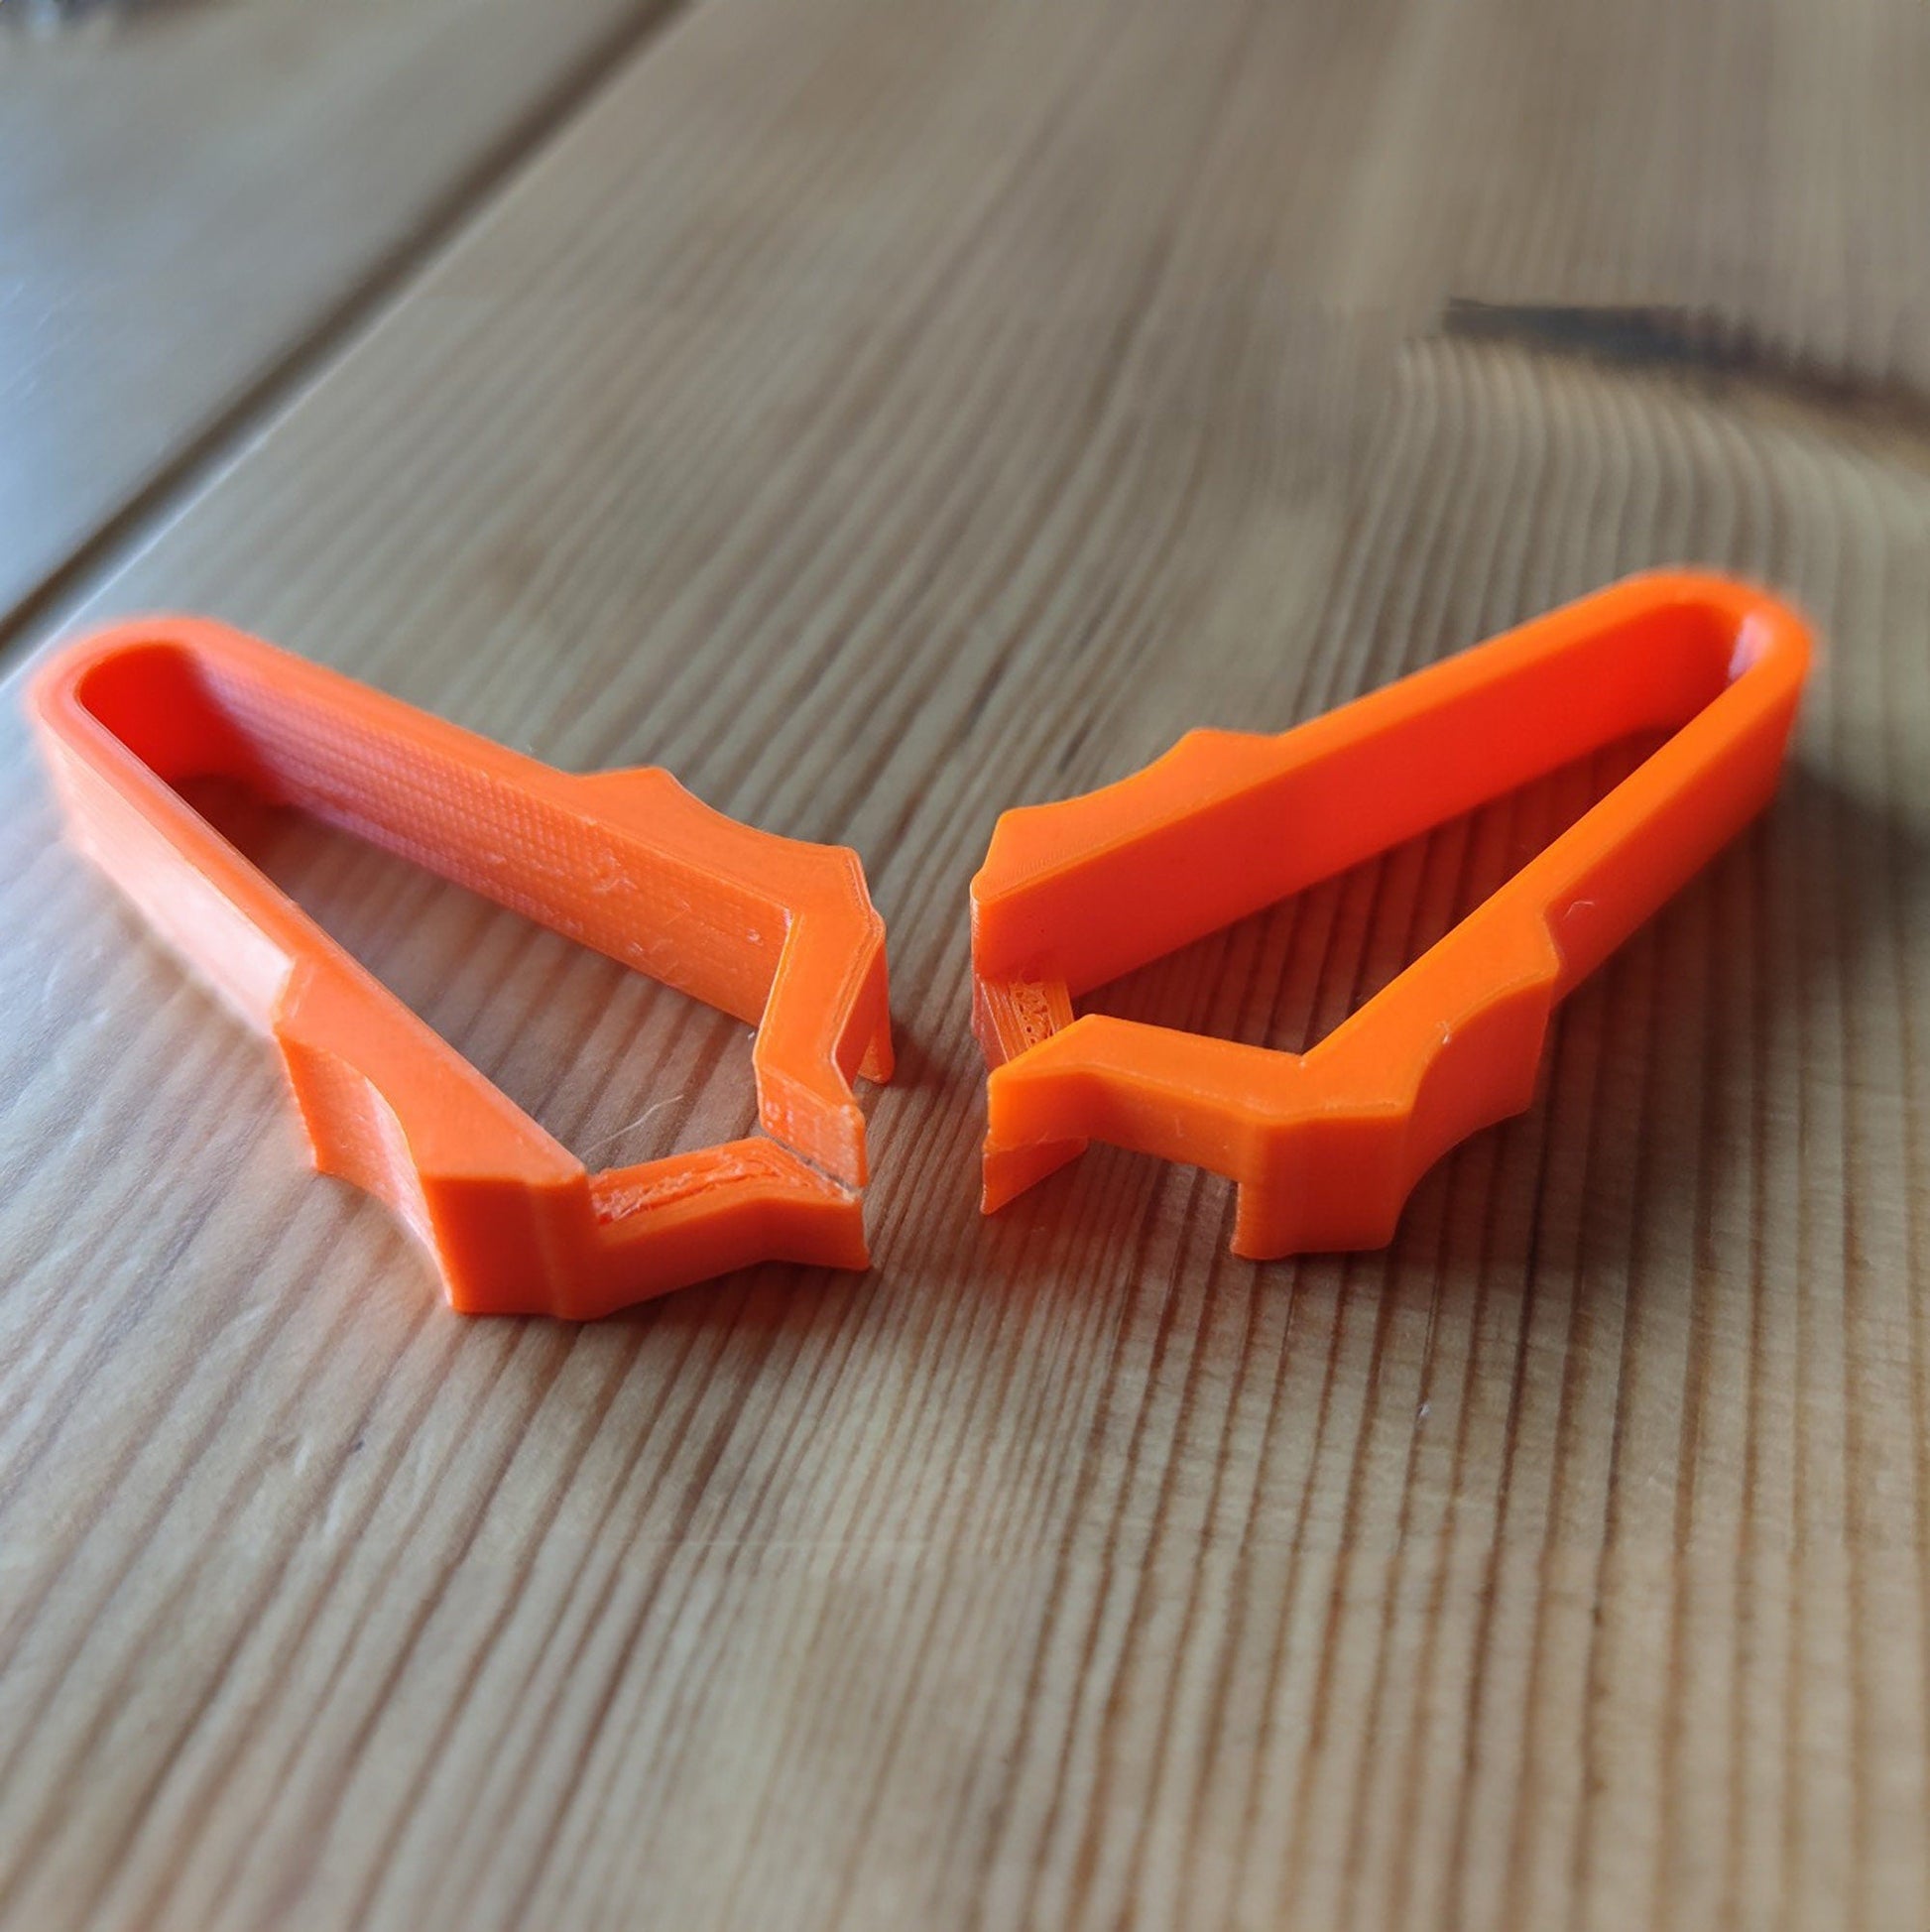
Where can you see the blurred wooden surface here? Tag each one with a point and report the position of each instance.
(879, 413)
(196, 193)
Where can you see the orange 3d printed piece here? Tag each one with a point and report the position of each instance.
(1325, 1145)
(775, 931)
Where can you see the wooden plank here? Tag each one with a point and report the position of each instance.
(882, 414)
(1758, 175)
(191, 194)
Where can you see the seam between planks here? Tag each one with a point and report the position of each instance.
(125, 530)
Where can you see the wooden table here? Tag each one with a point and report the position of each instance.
(882, 411)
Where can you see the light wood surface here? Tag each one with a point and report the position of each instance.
(195, 192)
(881, 414)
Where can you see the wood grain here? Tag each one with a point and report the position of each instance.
(192, 195)
(1760, 172)
(882, 414)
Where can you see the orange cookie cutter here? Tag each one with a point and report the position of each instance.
(775, 931)
(1325, 1146)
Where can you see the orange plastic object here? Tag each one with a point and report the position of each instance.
(1326, 1145)
(775, 931)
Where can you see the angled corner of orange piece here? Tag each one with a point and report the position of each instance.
(1325, 1146)
(775, 931)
